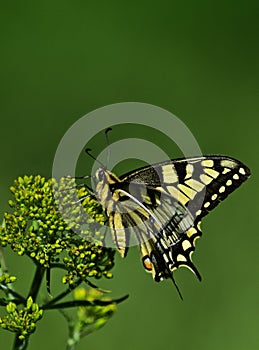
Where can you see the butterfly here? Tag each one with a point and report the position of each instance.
(161, 206)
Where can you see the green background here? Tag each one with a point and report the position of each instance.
(197, 59)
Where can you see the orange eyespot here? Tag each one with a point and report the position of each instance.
(147, 263)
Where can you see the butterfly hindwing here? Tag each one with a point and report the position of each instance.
(162, 260)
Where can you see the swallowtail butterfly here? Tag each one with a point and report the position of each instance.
(162, 206)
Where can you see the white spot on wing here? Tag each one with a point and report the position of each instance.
(214, 196)
(207, 163)
(186, 244)
(242, 171)
(198, 212)
(181, 258)
(191, 231)
(225, 171)
(228, 163)
(222, 189)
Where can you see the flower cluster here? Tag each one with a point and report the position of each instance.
(36, 228)
(21, 321)
(5, 279)
(95, 316)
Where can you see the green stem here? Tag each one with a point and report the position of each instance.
(74, 338)
(70, 346)
(78, 303)
(20, 344)
(12, 295)
(36, 283)
(70, 323)
(61, 295)
(3, 266)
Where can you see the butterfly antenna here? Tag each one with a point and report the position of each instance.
(87, 151)
(177, 288)
(108, 145)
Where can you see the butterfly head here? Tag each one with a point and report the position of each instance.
(100, 175)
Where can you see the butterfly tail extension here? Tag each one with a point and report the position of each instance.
(155, 262)
(177, 288)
